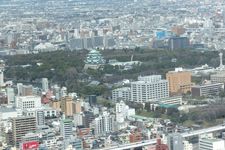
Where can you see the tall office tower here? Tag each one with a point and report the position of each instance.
(10, 95)
(175, 142)
(26, 102)
(179, 81)
(22, 126)
(149, 88)
(24, 90)
(66, 128)
(56, 92)
(67, 105)
(44, 83)
(40, 117)
(104, 123)
(2, 68)
(76, 107)
(19, 88)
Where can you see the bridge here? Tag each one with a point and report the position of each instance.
(153, 141)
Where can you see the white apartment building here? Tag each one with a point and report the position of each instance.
(188, 145)
(123, 111)
(218, 78)
(104, 123)
(149, 88)
(211, 144)
(27, 102)
(123, 93)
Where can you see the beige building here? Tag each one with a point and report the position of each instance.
(55, 105)
(22, 126)
(77, 107)
(179, 81)
(67, 105)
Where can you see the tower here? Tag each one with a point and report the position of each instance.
(2, 68)
(10, 95)
(221, 60)
(44, 84)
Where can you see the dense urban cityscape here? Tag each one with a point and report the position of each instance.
(112, 74)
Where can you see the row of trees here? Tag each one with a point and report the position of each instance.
(207, 113)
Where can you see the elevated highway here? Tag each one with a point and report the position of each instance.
(153, 141)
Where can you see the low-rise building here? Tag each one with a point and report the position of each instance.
(207, 89)
(175, 100)
(218, 78)
(123, 93)
(211, 144)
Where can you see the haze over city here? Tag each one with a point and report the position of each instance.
(112, 74)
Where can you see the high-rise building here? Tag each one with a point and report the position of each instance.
(44, 83)
(211, 144)
(104, 123)
(179, 81)
(2, 68)
(24, 90)
(40, 117)
(149, 88)
(123, 93)
(175, 141)
(88, 118)
(10, 95)
(21, 126)
(19, 89)
(66, 128)
(67, 105)
(55, 104)
(76, 107)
